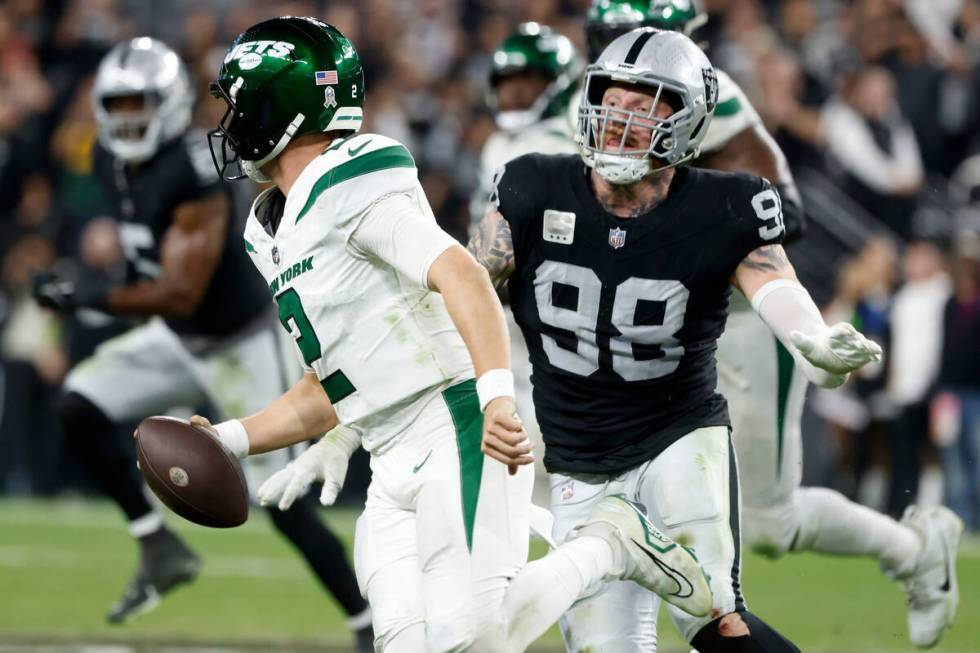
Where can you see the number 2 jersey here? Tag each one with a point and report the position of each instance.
(346, 255)
(621, 316)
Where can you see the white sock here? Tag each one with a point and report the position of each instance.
(873, 489)
(546, 588)
(829, 523)
(148, 523)
(930, 486)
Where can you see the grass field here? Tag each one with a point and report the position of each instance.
(63, 563)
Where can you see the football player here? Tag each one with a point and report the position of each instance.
(212, 333)
(619, 273)
(393, 320)
(765, 390)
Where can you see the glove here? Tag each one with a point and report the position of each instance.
(325, 461)
(51, 290)
(839, 349)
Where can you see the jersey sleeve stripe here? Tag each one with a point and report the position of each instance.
(338, 387)
(394, 156)
(250, 248)
(729, 107)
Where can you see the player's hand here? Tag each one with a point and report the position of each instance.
(504, 437)
(324, 461)
(52, 291)
(840, 349)
(204, 423)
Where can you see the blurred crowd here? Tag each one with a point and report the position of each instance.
(876, 104)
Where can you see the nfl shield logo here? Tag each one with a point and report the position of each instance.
(275, 255)
(617, 237)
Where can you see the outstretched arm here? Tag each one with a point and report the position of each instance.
(302, 413)
(826, 354)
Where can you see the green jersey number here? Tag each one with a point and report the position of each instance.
(294, 319)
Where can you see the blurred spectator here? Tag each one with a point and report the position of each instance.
(916, 347)
(869, 137)
(861, 412)
(33, 365)
(956, 409)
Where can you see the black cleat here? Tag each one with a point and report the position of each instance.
(364, 642)
(166, 563)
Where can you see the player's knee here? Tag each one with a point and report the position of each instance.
(80, 418)
(450, 634)
(769, 533)
(741, 632)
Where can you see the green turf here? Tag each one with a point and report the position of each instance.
(63, 563)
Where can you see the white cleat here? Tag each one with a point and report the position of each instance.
(931, 589)
(653, 560)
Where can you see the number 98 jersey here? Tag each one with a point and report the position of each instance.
(621, 315)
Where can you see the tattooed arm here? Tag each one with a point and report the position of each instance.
(762, 265)
(492, 246)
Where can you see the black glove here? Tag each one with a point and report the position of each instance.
(53, 291)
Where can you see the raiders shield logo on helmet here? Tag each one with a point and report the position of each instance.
(710, 88)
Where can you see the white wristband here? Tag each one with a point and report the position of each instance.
(233, 435)
(493, 384)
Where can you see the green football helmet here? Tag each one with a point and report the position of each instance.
(535, 48)
(608, 19)
(281, 79)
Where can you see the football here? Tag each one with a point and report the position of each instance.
(192, 472)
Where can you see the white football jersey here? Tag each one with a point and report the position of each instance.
(378, 340)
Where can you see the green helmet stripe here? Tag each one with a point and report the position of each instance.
(393, 156)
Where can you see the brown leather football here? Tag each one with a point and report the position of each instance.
(192, 472)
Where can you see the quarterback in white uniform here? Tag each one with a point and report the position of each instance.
(392, 320)
(766, 390)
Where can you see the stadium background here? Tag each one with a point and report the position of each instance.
(838, 82)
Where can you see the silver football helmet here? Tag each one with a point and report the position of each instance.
(672, 69)
(146, 68)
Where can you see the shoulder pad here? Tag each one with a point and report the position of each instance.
(352, 174)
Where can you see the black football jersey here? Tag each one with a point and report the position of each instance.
(145, 197)
(621, 316)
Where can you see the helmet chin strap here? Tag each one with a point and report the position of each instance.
(254, 168)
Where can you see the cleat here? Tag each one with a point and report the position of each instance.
(932, 589)
(364, 640)
(653, 560)
(166, 564)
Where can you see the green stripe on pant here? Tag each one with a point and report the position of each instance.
(464, 407)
